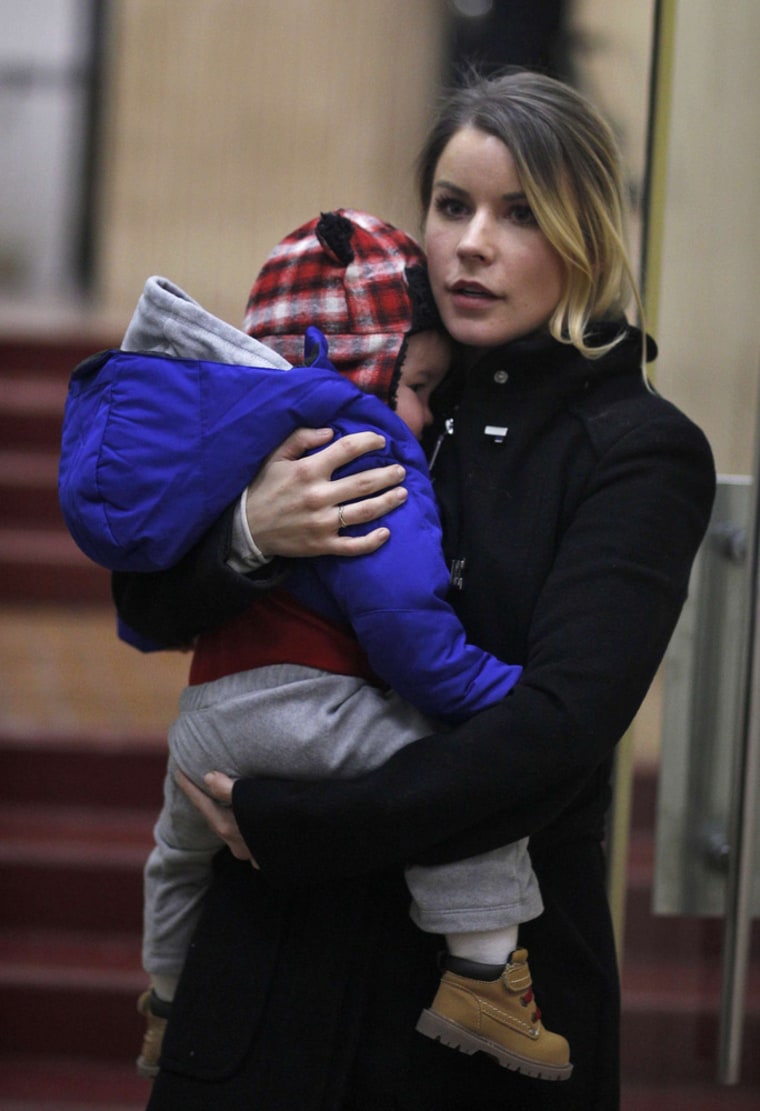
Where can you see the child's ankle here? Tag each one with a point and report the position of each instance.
(488, 947)
(163, 988)
(159, 1007)
(473, 970)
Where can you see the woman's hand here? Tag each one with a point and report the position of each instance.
(218, 813)
(293, 504)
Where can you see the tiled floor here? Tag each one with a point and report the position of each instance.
(64, 672)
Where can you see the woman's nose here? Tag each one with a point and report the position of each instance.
(476, 239)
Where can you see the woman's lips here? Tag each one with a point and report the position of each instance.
(471, 294)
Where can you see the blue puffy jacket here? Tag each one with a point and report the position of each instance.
(155, 447)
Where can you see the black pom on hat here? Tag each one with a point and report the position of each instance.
(334, 232)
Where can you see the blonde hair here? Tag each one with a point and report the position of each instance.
(569, 166)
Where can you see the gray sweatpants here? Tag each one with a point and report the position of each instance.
(297, 722)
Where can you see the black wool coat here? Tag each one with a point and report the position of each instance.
(575, 531)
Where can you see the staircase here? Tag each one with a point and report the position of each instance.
(75, 828)
(39, 561)
(82, 721)
(77, 796)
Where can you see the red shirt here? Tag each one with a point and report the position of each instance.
(277, 629)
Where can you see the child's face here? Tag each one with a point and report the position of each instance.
(428, 355)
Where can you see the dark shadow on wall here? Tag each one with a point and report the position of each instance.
(528, 33)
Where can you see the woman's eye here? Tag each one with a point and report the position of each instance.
(450, 207)
(522, 214)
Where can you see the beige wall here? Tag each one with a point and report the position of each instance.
(611, 58)
(710, 278)
(708, 285)
(230, 122)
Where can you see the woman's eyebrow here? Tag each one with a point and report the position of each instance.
(450, 186)
(519, 195)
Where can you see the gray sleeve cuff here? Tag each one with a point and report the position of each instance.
(244, 555)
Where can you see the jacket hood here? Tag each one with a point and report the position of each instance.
(169, 321)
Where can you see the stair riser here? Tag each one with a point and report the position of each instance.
(703, 1097)
(100, 1023)
(667, 936)
(22, 582)
(77, 1084)
(119, 776)
(32, 357)
(31, 505)
(677, 1048)
(69, 898)
(30, 431)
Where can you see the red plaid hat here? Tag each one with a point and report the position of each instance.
(361, 281)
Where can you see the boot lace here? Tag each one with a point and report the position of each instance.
(526, 1000)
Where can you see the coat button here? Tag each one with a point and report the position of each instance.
(501, 376)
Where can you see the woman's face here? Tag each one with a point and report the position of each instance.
(494, 274)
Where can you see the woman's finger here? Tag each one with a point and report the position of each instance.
(367, 485)
(301, 441)
(348, 448)
(220, 787)
(219, 817)
(343, 451)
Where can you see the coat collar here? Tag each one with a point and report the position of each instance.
(541, 363)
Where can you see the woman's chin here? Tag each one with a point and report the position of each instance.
(478, 334)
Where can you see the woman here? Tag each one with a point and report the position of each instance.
(574, 501)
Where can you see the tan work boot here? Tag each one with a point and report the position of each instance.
(147, 1062)
(497, 1017)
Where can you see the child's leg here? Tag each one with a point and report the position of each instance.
(477, 903)
(485, 1001)
(291, 721)
(176, 878)
(284, 720)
